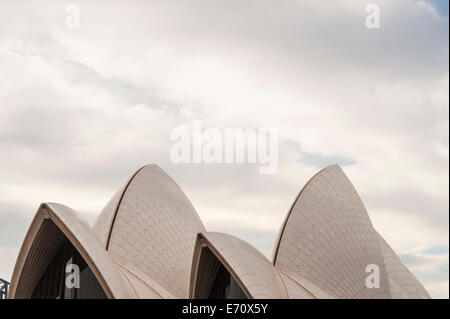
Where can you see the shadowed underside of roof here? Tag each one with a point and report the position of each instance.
(52, 225)
(255, 273)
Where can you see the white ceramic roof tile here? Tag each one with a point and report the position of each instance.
(254, 269)
(402, 282)
(329, 240)
(155, 229)
(149, 229)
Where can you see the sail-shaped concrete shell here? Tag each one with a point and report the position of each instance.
(52, 224)
(254, 272)
(403, 284)
(152, 225)
(148, 242)
(328, 239)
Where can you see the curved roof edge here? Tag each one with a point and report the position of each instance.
(329, 239)
(276, 245)
(104, 222)
(253, 271)
(142, 284)
(77, 231)
(303, 284)
(152, 224)
(403, 283)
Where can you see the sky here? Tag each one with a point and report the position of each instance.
(82, 108)
(441, 6)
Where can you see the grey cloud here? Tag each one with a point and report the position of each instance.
(436, 250)
(437, 273)
(433, 209)
(13, 225)
(301, 48)
(127, 91)
(284, 30)
(316, 159)
(319, 160)
(39, 121)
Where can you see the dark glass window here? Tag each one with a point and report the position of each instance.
(214, 281)
(52, 285)
(225, 286)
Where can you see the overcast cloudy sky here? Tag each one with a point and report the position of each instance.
(82, 109)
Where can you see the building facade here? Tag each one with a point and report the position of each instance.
(149, 242)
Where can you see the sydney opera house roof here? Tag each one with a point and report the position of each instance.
(149, 242)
